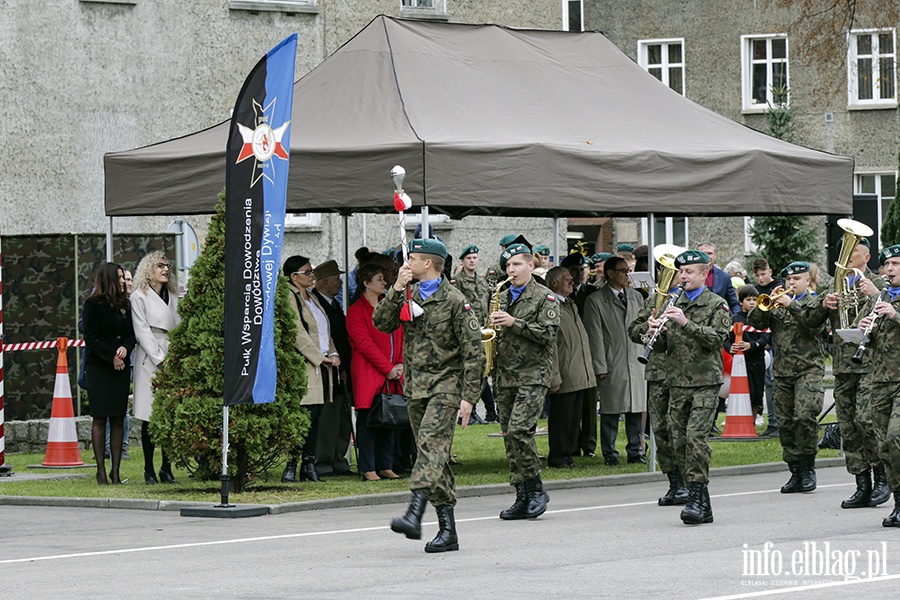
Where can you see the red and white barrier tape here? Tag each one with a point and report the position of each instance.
(39, 345)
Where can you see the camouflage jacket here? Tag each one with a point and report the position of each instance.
(525, 350)
(494, 275)
(475, 289)
(655, 369)
(843, 352)
(884, 344)
(694, 352)
(798, 334)
(442, 349)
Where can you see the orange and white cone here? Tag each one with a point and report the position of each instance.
(62, 441)
(739, 419)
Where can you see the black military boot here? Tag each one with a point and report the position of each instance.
(519, 507)
(410, 524)
(491, 416)
(698, 509)
(446, 539)
(808, 474)
(290, 471)
(677, 493)
(308, 469)
(863, 494)
(881, 493)
(537, 498)
(893, 520)
(793, 484)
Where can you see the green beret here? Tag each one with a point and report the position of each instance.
(691, 257)
(624, 248)
(542, 250)
(473, 249)
(795, 268)
(506, 240)
(889, 252)
(864, 241)
(511, 251)
(601, 257)
(429, 246)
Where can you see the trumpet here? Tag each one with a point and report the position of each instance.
(489, 334)
(857, 358)
(644, 358)
(765, 302)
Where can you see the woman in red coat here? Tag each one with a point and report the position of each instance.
(376, 357)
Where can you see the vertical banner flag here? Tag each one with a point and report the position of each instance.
(256, 175)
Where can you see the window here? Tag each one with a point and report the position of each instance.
(883, 185)
(303, 220)
(749, 246)
(573, 15)
(664, 59)
(666, 230)
(870, 68)
(288, 6)
(764, 71)
(431, 5)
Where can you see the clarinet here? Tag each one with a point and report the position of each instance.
(645, 357)
(857, 358)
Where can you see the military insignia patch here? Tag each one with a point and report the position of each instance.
(473, 325)
(467, 306)
(551, 298)
(725, 308)
(551, 313)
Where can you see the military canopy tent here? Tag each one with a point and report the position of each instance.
(497, 121)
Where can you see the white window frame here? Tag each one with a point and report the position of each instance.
(747, 62)
(670, 230)
(643, 59)
(288, 6)
(749, 246)
(857, 189)
(302, 220)
(565, 14)
(853, 101)
(435, 6)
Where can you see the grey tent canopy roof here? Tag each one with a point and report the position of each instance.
(498, 121)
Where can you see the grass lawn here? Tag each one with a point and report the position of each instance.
(483, 462)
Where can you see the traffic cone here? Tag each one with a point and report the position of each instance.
(739, 420)
(62, 441)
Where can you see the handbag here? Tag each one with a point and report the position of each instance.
(388, 409)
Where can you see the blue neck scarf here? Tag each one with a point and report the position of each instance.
(801, 296)
(515, 292)
(427, 288)
(894, 291)
(692, 294)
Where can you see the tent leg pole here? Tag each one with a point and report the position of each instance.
(425, 233)
(556, 253)
(345, 286)
(109, 240)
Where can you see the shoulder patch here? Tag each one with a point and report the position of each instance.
(467, 306)
(452, 282)
(473, 325)
(725, 308)
(551, 297)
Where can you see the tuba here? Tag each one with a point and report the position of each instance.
(854, 232)
(665, 255)
(489, 334)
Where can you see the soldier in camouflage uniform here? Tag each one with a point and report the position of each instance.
(444, 375)
(851, 387)
(884, 388)
(476, 291)
(495, 273)
(655, 373)
(798, 332)
(527, 325)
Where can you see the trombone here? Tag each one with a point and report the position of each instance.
(765, 302)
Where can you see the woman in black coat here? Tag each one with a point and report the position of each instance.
(109, 340)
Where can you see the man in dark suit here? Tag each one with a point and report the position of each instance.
(718, 281)
(575, 262)
(335, 424)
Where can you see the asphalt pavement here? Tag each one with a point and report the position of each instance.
(593, 542)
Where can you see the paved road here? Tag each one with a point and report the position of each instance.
(611, 542)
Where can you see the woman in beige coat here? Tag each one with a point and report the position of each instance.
(315, 344)
(154, 314)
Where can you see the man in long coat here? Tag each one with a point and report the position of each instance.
(620, 377)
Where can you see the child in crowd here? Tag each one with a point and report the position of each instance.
(754, 344)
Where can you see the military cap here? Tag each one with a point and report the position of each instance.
(329, 268)
(511, 251)
(601, 257)
(864, 241)
(542, 250)
(429, 246)
(624, 248)
(889, 252)
(473, 249)
(574, 259)
(691, 257)
(506, 240)
(795, 268)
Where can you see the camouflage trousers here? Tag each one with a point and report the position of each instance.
(798, 403)
(851, 402)
(658, 407)
(433, 422)
(519, 409)
(884, 402)
(691, 412)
